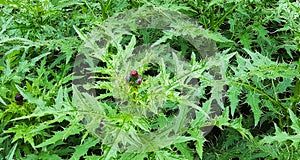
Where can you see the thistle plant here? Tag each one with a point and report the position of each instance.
(149, 83)
(171, 107)
(146, 113)
(134, 78)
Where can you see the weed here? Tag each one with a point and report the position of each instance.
(243, 57)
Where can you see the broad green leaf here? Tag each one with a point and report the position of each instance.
(297, 89)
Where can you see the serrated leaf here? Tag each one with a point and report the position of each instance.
(130, 47)
(281, 137)
(5, 25)
(218, 37)
(2, 101)
(67, 49)
(246, 41)
(82, 149)
(34, 60)
(237, 125)
(93, 157)
(59, 98)
(213, 2)
(81, 35)
(253, 100)
(3, 138)
(283, 85)
(182, 139)
(296, 123)
(223, 119)
(137, 156)
(217, 92)
(199, 140)
(200, 118)
(165, 155)
(142, 123)
(85, 102)
(199, 145)
(61, 135)
(185, 150)
(38, 101)
(233, 93)
(111, 152)
(163, 39)
(45, 155)
(11, 152)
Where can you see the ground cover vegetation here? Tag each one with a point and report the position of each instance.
(148, 107)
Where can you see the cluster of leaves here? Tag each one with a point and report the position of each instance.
(260, 118)
(270, 27)
(125, 124)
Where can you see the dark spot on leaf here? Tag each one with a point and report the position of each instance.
(172, 133)
(120, 145)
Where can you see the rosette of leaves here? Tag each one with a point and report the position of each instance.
(167, 106)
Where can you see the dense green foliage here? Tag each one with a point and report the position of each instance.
(258, 45)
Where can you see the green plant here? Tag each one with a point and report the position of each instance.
(256, 67)
(152, 116)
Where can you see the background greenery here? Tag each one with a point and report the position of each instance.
(38, 45)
